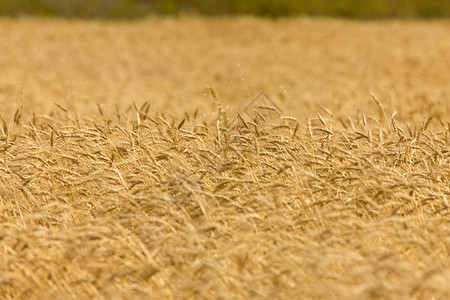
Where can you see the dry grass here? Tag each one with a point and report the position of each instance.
(340, 197)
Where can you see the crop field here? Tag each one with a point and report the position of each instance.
(226, 158)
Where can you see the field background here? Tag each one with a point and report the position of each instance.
(299, 63)
(130, 166)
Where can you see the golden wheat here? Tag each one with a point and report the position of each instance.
(332, 193)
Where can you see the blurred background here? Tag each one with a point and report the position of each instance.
(131, 9)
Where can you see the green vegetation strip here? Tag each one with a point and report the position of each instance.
(130, 9)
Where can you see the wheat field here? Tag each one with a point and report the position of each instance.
(224, 159)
